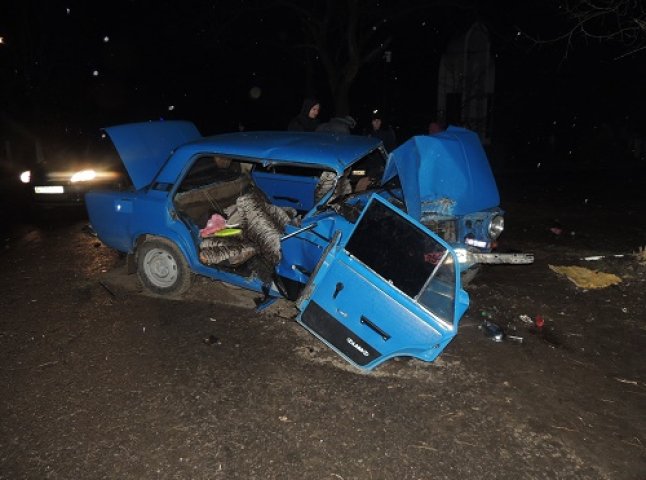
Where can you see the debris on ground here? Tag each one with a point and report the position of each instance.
(586, 278)
(601, 257)
(640, 255)
(493, 331)
(539, 321)
(526, 319)
(212, 340)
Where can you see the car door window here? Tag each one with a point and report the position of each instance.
(406, 257)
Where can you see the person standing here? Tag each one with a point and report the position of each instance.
(378, 129)
(338, 125)
(307, 119)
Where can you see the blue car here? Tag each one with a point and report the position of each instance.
(370, 246)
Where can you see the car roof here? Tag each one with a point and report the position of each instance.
(305, 148)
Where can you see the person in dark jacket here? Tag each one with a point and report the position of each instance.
(307, 119)
(379, 130)
(338, 125)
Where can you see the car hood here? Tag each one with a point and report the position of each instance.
(144, 147)
(447, 173)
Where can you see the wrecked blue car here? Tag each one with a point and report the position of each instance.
(370, 246)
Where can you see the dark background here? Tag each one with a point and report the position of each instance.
(69, 68)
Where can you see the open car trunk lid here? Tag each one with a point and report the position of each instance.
(391, 288)
(451, 165)
(144, 147)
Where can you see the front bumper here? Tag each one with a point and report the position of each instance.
(467, 258)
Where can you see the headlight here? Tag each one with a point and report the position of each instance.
(496, 226)
(25, 177)
(83, 176)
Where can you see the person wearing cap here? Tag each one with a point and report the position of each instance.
(378, 129)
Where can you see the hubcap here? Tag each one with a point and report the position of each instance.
(160, 268)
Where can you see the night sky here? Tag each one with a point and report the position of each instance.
(68, 68)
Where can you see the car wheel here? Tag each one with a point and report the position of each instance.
(162, 268)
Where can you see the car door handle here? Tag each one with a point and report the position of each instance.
(379, 331)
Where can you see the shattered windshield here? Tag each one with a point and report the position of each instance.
(406, 257)
(366, 172)
(362, 175)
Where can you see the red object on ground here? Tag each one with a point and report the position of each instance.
(539, 321)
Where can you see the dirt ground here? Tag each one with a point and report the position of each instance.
(101, 381)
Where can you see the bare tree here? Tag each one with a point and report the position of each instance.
(346, 35)
(620, 21)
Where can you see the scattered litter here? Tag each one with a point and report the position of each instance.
(493, 331)
(526, 319)
(586, 278)
(623, 380)
(556, 230)
(624, 309)
(212, 340)
(213, 319)
(283, 418)
(601, 257)
(143, 329)
(539, 321)
(514, 338)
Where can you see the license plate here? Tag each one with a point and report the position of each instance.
(50, 189)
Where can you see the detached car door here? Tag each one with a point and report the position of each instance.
(389, 288)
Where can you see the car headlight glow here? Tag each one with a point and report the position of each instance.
(496, 226)
(25, 177)
(83, 176)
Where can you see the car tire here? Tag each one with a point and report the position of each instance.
(162, 268)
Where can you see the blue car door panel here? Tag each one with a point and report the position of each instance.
(389, 289)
